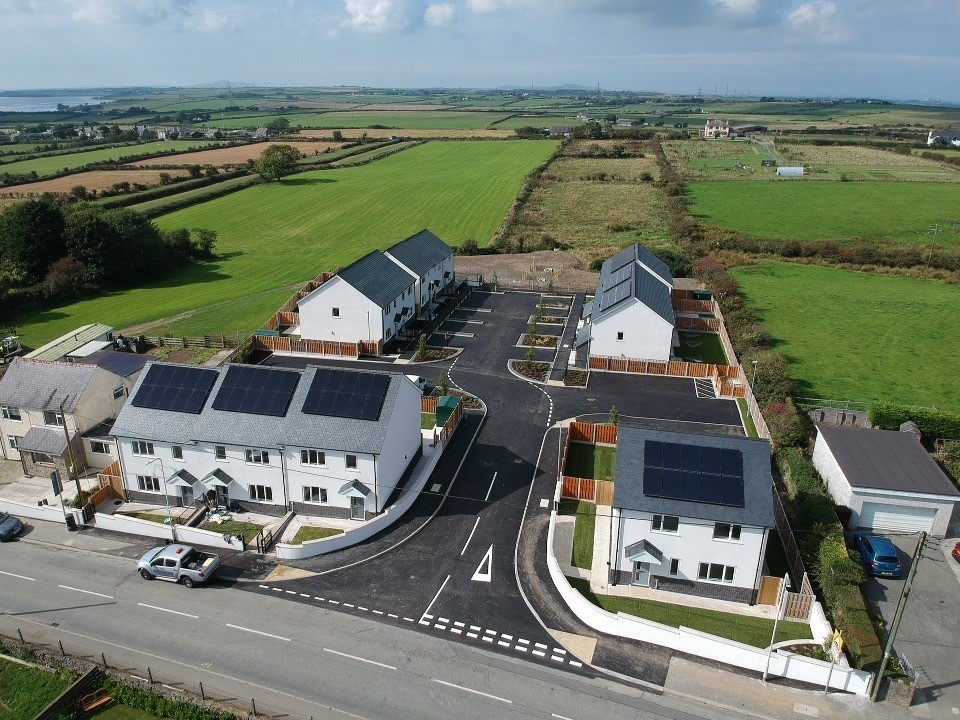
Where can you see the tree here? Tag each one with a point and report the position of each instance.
(421, 347)
(79, 192)
(165, 178)
(337, 136)
(31, 237)
(278, 125)
(610, 117)
(444, 384)
(528, 360)
(277, 161)
(64, 275)
(614, 415)
(194, 170)
(204, 242)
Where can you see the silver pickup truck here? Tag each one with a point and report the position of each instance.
(178, 564)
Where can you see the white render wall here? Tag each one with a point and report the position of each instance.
(331, 476)
(360, 319)
(692, 544)
(831, 473)
(402, 442)
(434, 274)
(646, 335)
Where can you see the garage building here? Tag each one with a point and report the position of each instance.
(886, 478)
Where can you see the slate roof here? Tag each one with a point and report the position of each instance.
(377, 277)
(635, 273)
(757, 507)
(886, 460)
(39, 385)
(123, 364)
(421, 252)
(296, 429)
(45, 440)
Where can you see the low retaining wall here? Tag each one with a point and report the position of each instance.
(51, 513)
(174, 533)
(694, 642)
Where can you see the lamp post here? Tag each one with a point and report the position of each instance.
(754, 380)
(166, 495)
(784, 586)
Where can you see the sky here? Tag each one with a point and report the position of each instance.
(809, 48)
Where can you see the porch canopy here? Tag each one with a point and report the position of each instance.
(643, 551)
(44, 440)
(217, 478)
(182, 478)
(354, 488)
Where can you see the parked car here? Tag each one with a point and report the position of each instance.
(178, 564)
(879, 555)
(418, 381)
(956, 552)
(10, 527)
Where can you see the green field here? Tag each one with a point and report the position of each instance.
(25, 691)
(401, 119)
(45, 166)
(275, 237)
(858, 336)
(897, 212)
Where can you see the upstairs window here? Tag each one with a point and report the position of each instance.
(313, 457)
(11, 413)
(53, 418)
(665, 524)
(335, 312)
(258, 457)
(142, 447)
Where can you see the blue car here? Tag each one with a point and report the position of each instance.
(879, 555)
(10, 527)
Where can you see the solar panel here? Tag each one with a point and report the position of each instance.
(175, 387)
(256, 390)
(693, 472)
(617, 293)
(346, 394)
(623, 259)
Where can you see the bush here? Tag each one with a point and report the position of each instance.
(773, 383)
(932, 423)
(80, 500)
(788, 426)
(160, 706)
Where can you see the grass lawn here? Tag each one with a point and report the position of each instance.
(590, 462)
(25, 691)
(152, 517)
(274, 237)
(235, 527)
(859, 336)
(44, 166)
(748, 424)
(584, 529)
(897, 212)
(748, 630)
(428, 421)
(122, 712)
(307, 532)
(701, 347)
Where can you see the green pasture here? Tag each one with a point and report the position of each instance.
(896, 212)
(51, 165)
(274, 237)
(400, 119)
(860, 336)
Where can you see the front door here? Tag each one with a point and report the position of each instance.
(186, 496)
(641, 574)
(223, 497)
(356, 509)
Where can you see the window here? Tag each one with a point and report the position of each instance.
(261, 493)
(51, 417)
(351, 462)
(220, 452)
(725, 531)
(13, 441)
(665, 524)
(118, 392)
(11, 413)
(313, 457)
(314, 495)
(177, 452)
(714, 572)
(141, 447)
(258, 457)
(675, 567)
(335, 312)
(619, 336)
(42, 458)
(146, 483)
(98, 447)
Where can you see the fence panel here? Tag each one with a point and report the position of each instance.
(769, 590)
(797, 606)
(789, 542)
(605, 434)
(604, 492)
(429, 404)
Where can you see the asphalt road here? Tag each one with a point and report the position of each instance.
(299, 659)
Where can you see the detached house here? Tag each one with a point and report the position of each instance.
(324, 441)
(371, 301)
(42, 404)
(691, 513)
(715, 129)
(429, 261)
(631, 314)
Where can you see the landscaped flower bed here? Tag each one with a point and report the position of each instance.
(544, 341)
(538, 371)
(548, 320)
(431, 354)
(575, 378)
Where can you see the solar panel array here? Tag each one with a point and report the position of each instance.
(346, 394)
(176, 388)
(256, 390)
(623, 259)
(617, 293)
(693, 472)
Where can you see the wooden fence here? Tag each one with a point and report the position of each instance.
(112, 477)
(696, 324)
(729, 377)
(797, 605)
(596, 433)
(693, 306)
(595, 491)
(221, 341)
(279, 343)
(428, 404)
(453, 421)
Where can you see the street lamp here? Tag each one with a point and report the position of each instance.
(754, 380)
(166, 496)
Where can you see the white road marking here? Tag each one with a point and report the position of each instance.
(490, 489)
(424, 622)
(559, 717)
(501, 643)
(435, 598)
(456, 630)
(290, 592)
(475, 692)
(470, 537)
(304, 595)
(265, 587)
(22, 577)
(487, 639)
(506, 637)
(438, 626)
(395, 617)
(317, 597)
(481, 574)
(557, 658)
(347, 605)
(354, 657)
(559, 651)
(378, 612)
(539, 653)
(277, 589)
(87, 592)
(544, 502)
(522, 641)
(361, 607)
(576, 663)
(472, 635)
(476, 628)
(521, 648)
(489, 632)
(335, 602)
(458, 624)
(168, 610)
(258, 632)
(408, 619)
(541, 646)
(443, 620)
(435, 487)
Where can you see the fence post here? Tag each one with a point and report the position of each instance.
(149, 675)
(202, 695)
(104, 659)
(60, 643)
(253, 707)
(20, 634)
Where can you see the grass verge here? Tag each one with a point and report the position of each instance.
(235, 527)
(586, 514)
(309, 532)
(748, 424)
(590, 462)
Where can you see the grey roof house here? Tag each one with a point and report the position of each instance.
(429, 260)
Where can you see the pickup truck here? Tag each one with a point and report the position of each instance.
(178, 564)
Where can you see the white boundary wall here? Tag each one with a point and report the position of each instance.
(51, 513)
(312, 548)
(178, 533)
(694, 642)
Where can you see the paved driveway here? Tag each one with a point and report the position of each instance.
(929, 633)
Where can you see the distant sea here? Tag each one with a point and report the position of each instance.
(27, 103)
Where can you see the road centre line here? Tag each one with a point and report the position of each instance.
(490, 489)
(559, 717)
(354, 657)
(87, 592)
(168, 610)
(22, 577)
(471, 535)
(258, 632)
(435, 598)
(475, 692)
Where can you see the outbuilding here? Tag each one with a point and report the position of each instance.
(886, 478)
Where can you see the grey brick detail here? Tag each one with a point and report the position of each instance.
(153, 498)
(716, 591)
(262, 508)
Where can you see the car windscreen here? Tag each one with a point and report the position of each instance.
(886, 559)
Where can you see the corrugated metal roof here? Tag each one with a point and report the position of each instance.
(421, 252)
(66, 344)
(39, 385)
(377, 277)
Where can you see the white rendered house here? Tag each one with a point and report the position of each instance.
(691, 513)
(429, 261)
(323, 441)
(631, 314)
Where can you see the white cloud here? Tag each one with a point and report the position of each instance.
(181, 14)
(439, 14)
(818, 19)
(378, 16)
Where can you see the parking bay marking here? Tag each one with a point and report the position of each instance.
(490, 489)
(471, 536)
(22, 577)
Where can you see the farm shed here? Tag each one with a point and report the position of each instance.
(790, 171)
(886, 478)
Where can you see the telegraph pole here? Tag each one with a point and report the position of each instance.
(907, 586)
(72, 470)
